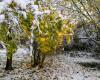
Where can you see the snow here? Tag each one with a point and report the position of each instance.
(47, 11)
(38, 13)
(55, 68)
(60, 15)
(21, 53)
(22, 3)
(79, 76)
(7, 1)
(2, 54)
(35, 7)
(23, 13)
(2, 17)
(2, 6)
(43, 0)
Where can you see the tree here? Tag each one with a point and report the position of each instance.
(34, 22)
(13, 28)
(84, 12)
(53, 28)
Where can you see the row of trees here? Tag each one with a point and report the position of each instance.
(34, 22)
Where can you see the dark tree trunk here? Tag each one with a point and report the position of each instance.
(42, 61)
(9, 64)
(36, 54)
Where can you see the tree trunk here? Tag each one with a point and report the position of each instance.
(9, 64)
(36, 57)
(42, 61)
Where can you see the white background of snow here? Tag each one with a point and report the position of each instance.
(7, 1)
(2, 6)
(21, 53)
(2, 17)
(2, 55)
(22, 3)
(35, 7)
(59, 68)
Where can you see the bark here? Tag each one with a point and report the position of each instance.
(42, 61)
(36, 59)
(36, 54)
(9, 64)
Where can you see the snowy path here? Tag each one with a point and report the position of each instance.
(57, 67)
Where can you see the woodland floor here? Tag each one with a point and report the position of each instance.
(56, 67)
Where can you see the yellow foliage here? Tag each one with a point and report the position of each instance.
(53, 30)
(43, 44)
(45, 49)
(68, 38)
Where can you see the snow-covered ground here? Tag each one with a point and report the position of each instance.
(56, 67)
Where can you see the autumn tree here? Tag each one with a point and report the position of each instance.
(39, 24)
